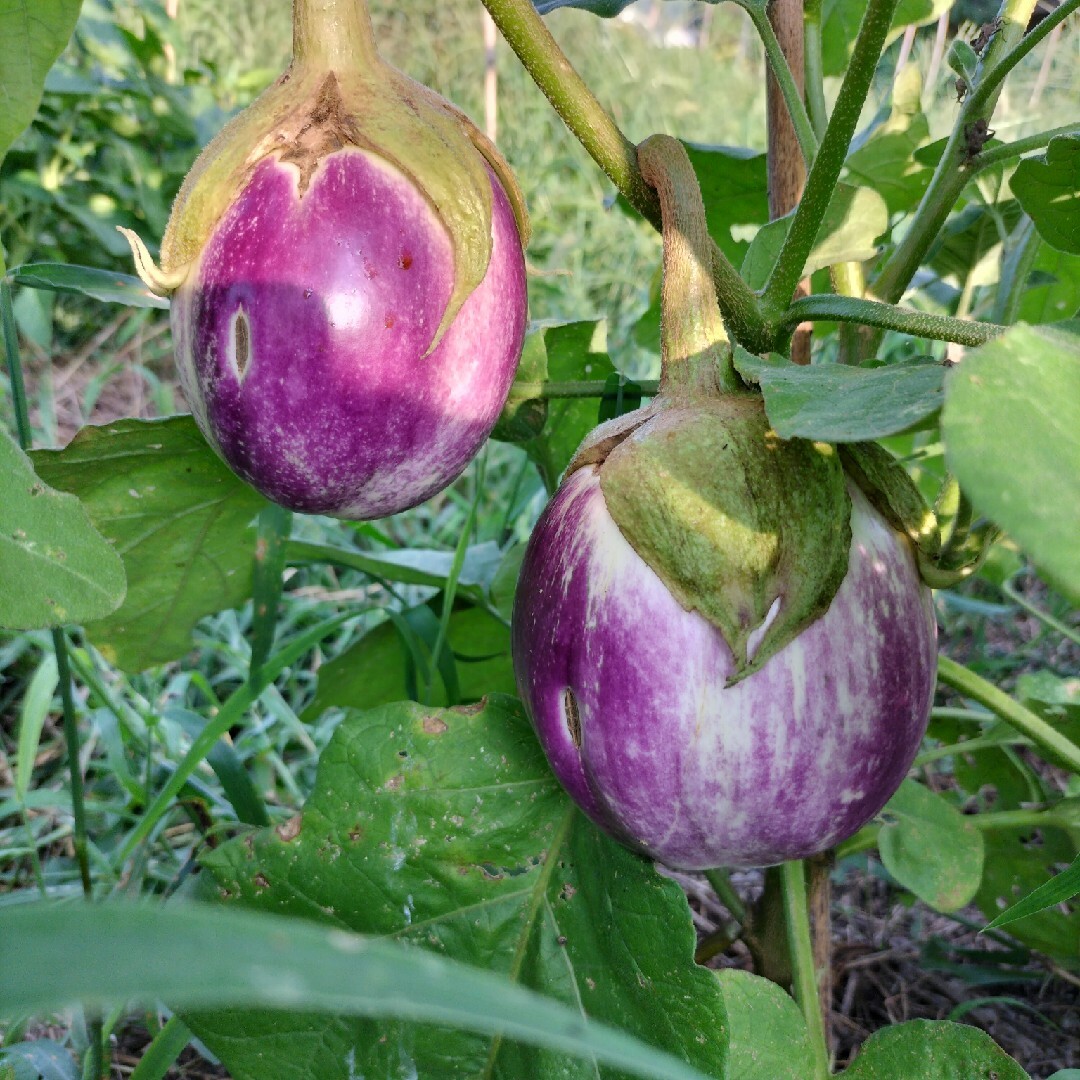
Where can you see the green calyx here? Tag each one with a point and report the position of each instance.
(750, 530)
(339, 93)
(945, 556)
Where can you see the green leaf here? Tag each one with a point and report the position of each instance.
(841, 19)
(838, 403)
(932, 1050)
(768, 1034)
(33, 33)
(51, 954)
(1053, 293)
(885, 161)
(1061, 887)
(574, 351)
(179, 519)
(57, 567)
(446, 830)
(855, 218)
(930, 847)
(735, 189)
(98, 284)
(373, 671)
(35, 707)
(1048, 189)
(524, 415)
(1012, 438)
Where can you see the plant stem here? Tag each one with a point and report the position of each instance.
(584, 388)
(1043, 616)
(999, 155)
(694, 350)
(725, 893)
(333, 34)
(848, 309)
(956, 166)
(1054, 746)
(866, 839)
(805, 985)
(785, 78)
(594, 128)
(821, 183)
(814, 76)
(14, 365)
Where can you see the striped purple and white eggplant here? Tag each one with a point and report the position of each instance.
(727, 652)
(629, 694)
(347, 279)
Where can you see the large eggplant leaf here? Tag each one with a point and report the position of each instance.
(179, 520)
(33, 33)
(56, 567)
(445, 829)
(1012, 438)
(51, 954)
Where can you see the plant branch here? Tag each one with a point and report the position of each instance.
(594, 128)
(585, 388)
(805, 985)
(999, 155)
(785, 78)
(1053, 745)
(814, 74)
(848, 309)
(957, 164)
(821, 183)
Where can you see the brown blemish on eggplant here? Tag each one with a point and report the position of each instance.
(573, 716)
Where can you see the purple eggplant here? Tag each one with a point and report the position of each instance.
(727, 651)
(347, 279)
(628, 693)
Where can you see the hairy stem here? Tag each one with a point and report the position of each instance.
(1000, 155)
(821, 182)
(848, 309)
(593, 127)
(693, 345)
(335, 34)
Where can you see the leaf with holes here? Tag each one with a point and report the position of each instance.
(179, 520)
(446, 829)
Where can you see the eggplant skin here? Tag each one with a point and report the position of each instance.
(627, 692)
(302, 336)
